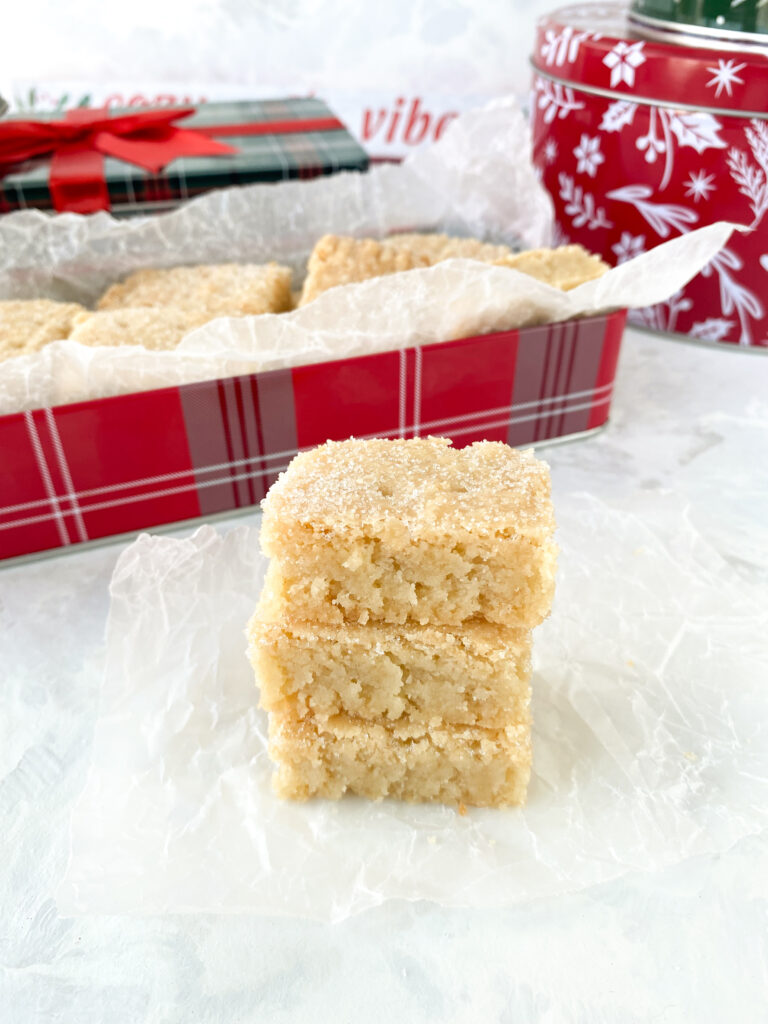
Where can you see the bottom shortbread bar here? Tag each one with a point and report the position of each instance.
(459, 765)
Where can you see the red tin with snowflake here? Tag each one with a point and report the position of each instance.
(638, 141)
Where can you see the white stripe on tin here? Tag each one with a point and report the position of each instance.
(229, 478)
(61, 458)
(130, 191)
(402, 417)
(646, 101)
(481, 414)
(42, 465)
(279, 153)
(509, 420)
(417, 392)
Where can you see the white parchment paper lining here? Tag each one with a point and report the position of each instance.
(477, 180)
(650, 739)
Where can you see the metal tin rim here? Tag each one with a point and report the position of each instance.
(761, 351)
(684, 34)
(645, 101)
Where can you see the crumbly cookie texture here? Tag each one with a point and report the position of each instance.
(26, 325)
(142, 325)
(422, 675)
(564, 267)
(436, 248)
(205, 292)
(451, 764)
(337, 260)
(413, 531)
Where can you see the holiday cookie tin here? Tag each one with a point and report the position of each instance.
(107, 467)
(638, 141)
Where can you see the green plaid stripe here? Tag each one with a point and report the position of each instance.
(260, 158)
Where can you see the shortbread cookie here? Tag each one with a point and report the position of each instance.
(413, 531)
(338, 260)
(452, 765)
(142, 325)
(28, 324)
(436, 248)
(205, 292)
(422, 675)
(564, 267)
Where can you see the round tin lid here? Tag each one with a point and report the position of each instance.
(594, 47)
(725, 19)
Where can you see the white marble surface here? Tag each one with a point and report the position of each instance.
(686, 944)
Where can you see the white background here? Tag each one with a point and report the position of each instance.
(447, 54)
(689, 944)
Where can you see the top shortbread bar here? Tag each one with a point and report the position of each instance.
(413, 531)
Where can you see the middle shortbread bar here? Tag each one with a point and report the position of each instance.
(413, 532)
(424, 675)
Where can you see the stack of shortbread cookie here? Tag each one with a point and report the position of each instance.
(392, 642)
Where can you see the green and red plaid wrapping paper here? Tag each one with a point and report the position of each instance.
(111, 466)
(307, 141)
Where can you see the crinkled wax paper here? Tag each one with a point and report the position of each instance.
(477, 180)
(650, 739)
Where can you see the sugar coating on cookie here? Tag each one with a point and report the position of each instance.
(205, 292)
(413, 531)
(452, 764)
(159, 329)
(26, 325)
(337, 260)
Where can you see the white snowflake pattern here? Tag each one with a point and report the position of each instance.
(557, 101)
(628, 246)
(581, 206)
(663, 218)
(752, 178)
(588, 155)
(652, 144)
(663, 316)
(725, 75)
(667, 129)
(734, 296)
(562, 47)
(699, 185)
(714, 328)
(550, 151)
(622, 61)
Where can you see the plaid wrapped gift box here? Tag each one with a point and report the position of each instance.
(96, 469)
(306, 140)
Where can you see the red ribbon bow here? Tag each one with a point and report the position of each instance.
(79, 143)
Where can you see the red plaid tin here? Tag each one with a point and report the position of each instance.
(91, 470)
(638, 141)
